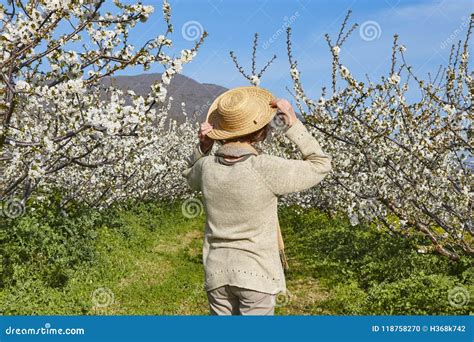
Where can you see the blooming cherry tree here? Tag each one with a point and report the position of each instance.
(61, 128)
(406, 166)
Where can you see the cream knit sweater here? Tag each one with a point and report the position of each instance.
(240, 245)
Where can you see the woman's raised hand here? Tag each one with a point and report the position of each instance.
(205, 142)
(285, 108)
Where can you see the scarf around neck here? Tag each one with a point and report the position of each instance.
(236, 150)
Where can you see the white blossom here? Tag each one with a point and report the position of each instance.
(344, 71)
(22, 85)
(255, 80)
(450, 109)
(294, 72)
(394, 79)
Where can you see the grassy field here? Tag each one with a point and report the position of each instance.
(146, 259)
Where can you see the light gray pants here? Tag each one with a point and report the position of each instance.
(233, 300)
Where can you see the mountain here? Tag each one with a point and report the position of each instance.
(197, 96)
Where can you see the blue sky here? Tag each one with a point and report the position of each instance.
(426, 28)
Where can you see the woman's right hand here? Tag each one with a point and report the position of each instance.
(289, 115)
(205, 142)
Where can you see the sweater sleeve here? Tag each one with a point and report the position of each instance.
(285, 176)
(193, 171)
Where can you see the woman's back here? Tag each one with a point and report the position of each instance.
(240, 199)
(240, 187)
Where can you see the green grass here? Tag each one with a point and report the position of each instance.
(147, 262)
(146, 259)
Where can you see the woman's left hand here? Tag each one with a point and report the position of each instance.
(205, 142)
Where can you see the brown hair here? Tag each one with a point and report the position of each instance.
(251, 138)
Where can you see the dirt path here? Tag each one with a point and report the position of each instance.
(168, 279)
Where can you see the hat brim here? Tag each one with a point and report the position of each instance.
(265, 111)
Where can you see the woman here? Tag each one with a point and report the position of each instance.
(240, 187)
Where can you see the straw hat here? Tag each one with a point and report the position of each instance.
(240, 111)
